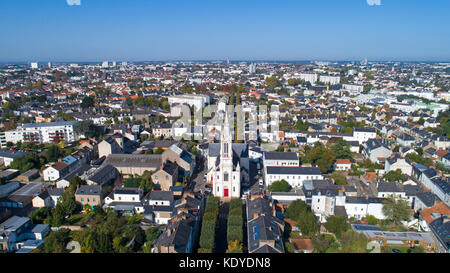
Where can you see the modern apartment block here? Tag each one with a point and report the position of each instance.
(40, 133)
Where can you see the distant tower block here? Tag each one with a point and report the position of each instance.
(34, 65)
(228, 60)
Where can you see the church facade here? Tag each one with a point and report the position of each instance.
(227, 165)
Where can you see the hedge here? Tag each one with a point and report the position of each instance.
(235, 233)
(204, 250)
(235, 221)
(209, 223)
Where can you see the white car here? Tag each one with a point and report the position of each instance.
(261, 182)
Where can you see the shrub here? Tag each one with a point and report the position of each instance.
(204, 250)
(234, 233)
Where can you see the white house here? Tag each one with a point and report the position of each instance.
(360, 207)
(397, 163)
(363, 135)
(342, 165)
(129, 199)
(375, 150)
(295, 176)
(281, 159)
(55, 172)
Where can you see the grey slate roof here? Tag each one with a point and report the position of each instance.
(294, 170)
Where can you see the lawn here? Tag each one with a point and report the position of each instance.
(76, 220)
(388, 249)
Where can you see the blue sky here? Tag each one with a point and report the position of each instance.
(96, 30)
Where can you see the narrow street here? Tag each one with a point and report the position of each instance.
(221, 243)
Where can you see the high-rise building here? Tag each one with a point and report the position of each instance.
(252, 68)
(34, 66)
(114, 64)
(49, 65)
(105, 64)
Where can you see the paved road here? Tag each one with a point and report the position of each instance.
(221, 243)
(254, 177)
(196, 181)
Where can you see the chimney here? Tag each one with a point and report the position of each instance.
(255, 215)
(445, 219)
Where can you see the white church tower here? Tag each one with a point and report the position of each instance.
(226, 178)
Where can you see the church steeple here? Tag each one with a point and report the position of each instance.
(225, 140)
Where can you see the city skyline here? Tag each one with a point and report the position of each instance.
(197, 30)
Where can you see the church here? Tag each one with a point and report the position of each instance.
(228, 164)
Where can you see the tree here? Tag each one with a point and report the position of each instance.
(394, 176)
(152, 234)
(341, 150)
(87, 102)
(321, 242)
(353, 242)
(302, 126)
(339, 178)
(280, 186)
(53, 153)
(372, 220)
(27, 162)
(56, 241)
(337, 224)
(367, 88)
(396, 209)
(321, 156)
(272, 82)
(234, 247)
(86, 128)
(300, 212)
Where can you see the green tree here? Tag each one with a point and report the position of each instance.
(301, 126)
(339, 178)
(337, 224)
(300, 212)
(394, 176)
(321, 242)
(396, 209)
(87, 102)
(341, 150)
(57, 241)
(280, 186)
(321, 156)
(353, 242)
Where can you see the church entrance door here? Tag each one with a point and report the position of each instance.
(225, 193)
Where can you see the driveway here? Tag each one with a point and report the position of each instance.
(221, 243)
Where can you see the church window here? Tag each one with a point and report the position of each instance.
(225, 177)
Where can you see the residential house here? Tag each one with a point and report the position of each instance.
(134, 164)
(281, 159)
(56, 171)
(342, 165)
(109, 146)
(396, 162)
(128, 200)
(89, 195)
(167, 176)
(295, 176)
(376, 151)
(264, 229)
